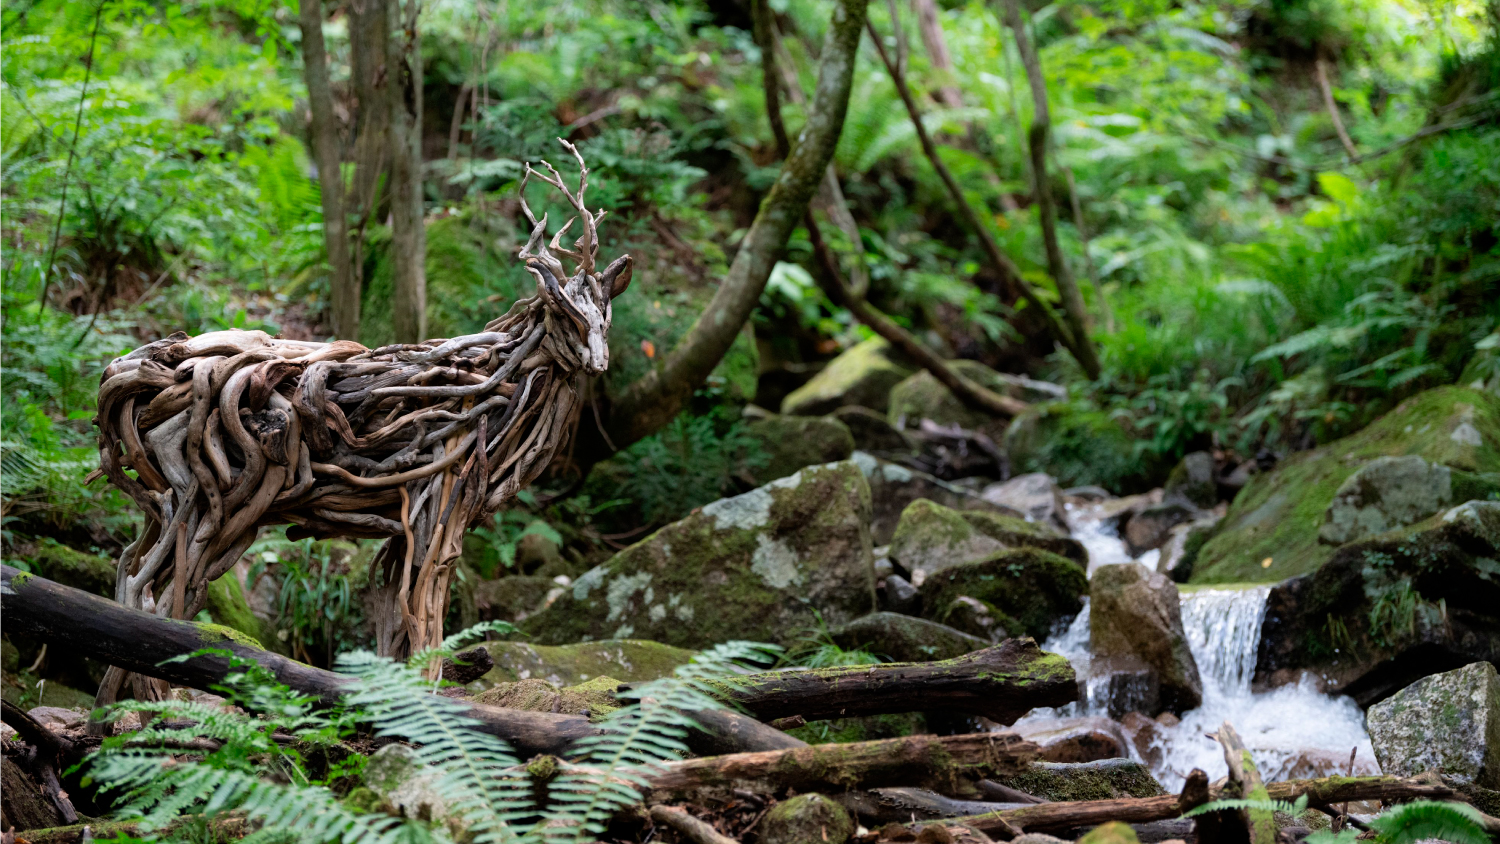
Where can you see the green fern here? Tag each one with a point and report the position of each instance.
(1294, 808)
(1419, 820)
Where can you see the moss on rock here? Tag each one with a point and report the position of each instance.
(922, 396)
(790, 443)
(511, 598)
(595, 698)
(228, 607)
(931, 537)
(904, 638)
(1107, 779)
(1278, 515)
(1032, 589)
(762, 566)
(628, 660)
(864, 375)
(70, 567)
(805, 819)
(894, 487)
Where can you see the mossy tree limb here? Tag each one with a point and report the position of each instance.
(1245, 778)
(946, 764)
(1001, 683)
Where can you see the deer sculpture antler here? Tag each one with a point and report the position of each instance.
(227, 432)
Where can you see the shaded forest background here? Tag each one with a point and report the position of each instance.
(1282, 216)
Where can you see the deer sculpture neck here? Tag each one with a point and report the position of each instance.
(231, 431)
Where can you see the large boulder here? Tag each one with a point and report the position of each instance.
(1135, 613)
(1387, 611)
(924, 397)
(627, 660)
(789, 443)
(903, 638)
(893, 487)
(1029, 590)
(863, 375)
(1449, 722)
(931, 537)
(763, 566)
(1078, 444)
(1279, 514)
(1393, 492)
(1036, 496)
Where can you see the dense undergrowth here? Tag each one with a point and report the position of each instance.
(1264, 289)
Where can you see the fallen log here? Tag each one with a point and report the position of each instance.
(945, 764)
(140, 642)
(695, 830)
(1052, 817)
(1001, 683)
(1245, 782)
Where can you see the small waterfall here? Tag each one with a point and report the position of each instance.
(1223, 632)
(1293, 731)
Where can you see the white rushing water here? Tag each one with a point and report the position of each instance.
(1292, 731)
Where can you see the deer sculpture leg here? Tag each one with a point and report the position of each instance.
(218, 435)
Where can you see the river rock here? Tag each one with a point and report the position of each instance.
(976, 618)
(1193, 481)
(863, 375)
(762, 566)
(790, 443)
(401, 782)
(1385, 612)
(902, 638)
(593, 698)
(628, 660)
(900, 596)
(1107, 779)
(1136, 612)
(922, 396)
(1183, 543)
(931, 537)
(1036, 496)
(1028, 590)
(1079, 445)
(1448, 722)
(805, 819)
(1149, 528)
(1279, 513)
(873, 431)
(1393, 492)
(894, 487)
(1085, 739)
(1120, 684)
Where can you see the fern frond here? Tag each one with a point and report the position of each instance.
(453, 643)
(1419, 820)
(1293, 809)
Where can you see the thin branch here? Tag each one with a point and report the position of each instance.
(1333, 109)
(62, 202)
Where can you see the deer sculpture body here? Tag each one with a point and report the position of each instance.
(232, 431)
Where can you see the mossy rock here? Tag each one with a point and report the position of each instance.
(1078, 445)
(628, 660)
(1393, 492)
(922, 396)
(79, 569)
(931, 537)
(1032, 589)
(228, 607)
(511, 598)
(790, 443)
(872, 431)
(894, 487)
(1447, 722)
(805, 819)
(763, 566)
(595, 698)
(1106, 779)
(1278, 515)
(863, 375)
(1387, 611)
(904, 638)
(1113, 832)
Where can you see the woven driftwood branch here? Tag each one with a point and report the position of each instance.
(218, 435)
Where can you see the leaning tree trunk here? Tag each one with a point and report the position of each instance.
(408, 235)
(344, 302)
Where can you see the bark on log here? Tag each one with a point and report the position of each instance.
(141, 642)
(1245, 781)
(1001, 683)
(946, 764)
(1047, 817)
(52, 755)
(698, 831)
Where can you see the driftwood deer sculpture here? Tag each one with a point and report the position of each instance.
(231, 431)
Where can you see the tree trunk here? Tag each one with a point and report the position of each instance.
(344, 302)
(651, 402)
(937, 51)
(1057, 263)
(369, 33)
(408, 234)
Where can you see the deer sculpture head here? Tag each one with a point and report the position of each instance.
(579, 305)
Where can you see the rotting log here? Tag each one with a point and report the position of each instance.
(1051, 817)
(141, 642)
(226, 827)
(945, 764)
(1001, 683)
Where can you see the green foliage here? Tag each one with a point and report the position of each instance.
(1419, 820)
(1291, 808)
(691, 462)
(318, 587)
(485, 789)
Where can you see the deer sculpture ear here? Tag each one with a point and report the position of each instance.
(616, 276)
